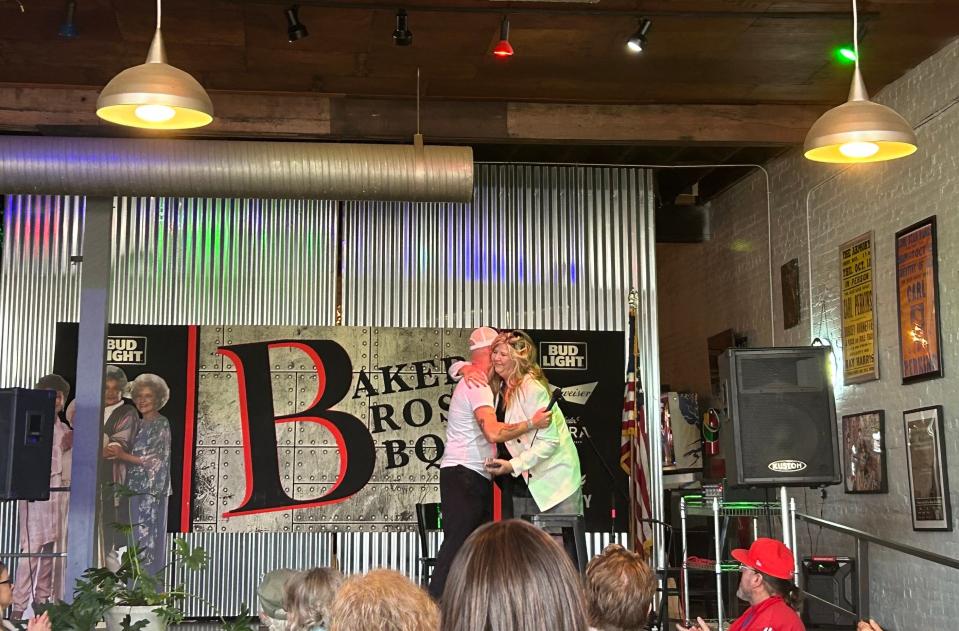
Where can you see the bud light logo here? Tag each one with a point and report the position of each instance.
(563, 355)
(787, 466)
(126, 350)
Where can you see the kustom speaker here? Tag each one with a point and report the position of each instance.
(780, 426)
(26, 443)
(833, 579)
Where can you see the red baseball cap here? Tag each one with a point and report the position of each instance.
(768, 556)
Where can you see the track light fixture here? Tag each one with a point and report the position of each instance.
(637, 42)
(503, 47)
(402, 36)
(155, 95)
(68, 29)
(859, 130)
(295, 29)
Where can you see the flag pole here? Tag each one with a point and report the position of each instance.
(633, 350)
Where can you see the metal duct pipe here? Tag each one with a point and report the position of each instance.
(222, 168)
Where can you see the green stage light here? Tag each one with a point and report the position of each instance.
(846, 54)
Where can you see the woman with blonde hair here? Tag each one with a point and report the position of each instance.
(309, 597)
(512, 576)
(546, 460)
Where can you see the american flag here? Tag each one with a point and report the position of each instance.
(634, 444)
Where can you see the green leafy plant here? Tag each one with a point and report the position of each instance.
(101, 589)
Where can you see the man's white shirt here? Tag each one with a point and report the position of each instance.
(465, 443)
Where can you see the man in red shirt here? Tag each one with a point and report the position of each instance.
(765, 582)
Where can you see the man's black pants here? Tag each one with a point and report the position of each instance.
(467, 499)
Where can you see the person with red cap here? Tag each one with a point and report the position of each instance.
(765, 582)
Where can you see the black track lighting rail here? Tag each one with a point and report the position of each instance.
(499, 8)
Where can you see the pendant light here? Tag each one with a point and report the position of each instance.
(503, 48)
(859, 130)
(155, 95)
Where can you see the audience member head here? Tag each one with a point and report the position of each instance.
(308, 597)
(58, 384)
(114, 383)
(620, 587)
(382, 600)
(511, 575)
(767, 570)
(6, 588)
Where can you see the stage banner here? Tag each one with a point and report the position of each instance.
(342, 428)
(167, 351)
(860, 362)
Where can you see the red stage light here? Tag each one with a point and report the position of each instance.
(503, 48)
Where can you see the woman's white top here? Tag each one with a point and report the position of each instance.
(546, 458)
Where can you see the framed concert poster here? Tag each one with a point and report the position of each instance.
(926, 460)
(857, 290)
(864, 452)
(917, 287)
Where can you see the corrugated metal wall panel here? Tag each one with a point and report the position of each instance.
(9, 533)
(175, 261)
(38, 283)
(540, 247)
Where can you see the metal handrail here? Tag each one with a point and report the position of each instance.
(863, 539)
(892, 545)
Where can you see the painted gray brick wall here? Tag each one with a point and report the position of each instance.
(724, 283)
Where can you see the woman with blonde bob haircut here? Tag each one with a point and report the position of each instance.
(546, 459)
(512, 576)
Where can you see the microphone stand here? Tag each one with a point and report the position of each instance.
(664, 574)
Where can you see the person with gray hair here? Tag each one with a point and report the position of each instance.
(148, 470)
(120, 423)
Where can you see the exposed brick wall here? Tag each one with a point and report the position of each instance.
(723, 284)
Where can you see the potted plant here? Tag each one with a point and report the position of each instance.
(126, 596)
(127, 599)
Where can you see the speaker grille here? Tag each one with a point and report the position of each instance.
(784, 416)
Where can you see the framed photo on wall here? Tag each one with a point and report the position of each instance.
(864, 452)
(917, 287)
(926, 462)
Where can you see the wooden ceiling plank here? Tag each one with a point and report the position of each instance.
(317, 115)
(749, 124)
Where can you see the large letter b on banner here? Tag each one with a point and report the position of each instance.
(264, 491)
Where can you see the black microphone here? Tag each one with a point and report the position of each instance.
(556, 396)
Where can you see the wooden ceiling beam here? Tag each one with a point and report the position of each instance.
(39, 109)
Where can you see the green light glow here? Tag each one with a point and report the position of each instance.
(846, 54)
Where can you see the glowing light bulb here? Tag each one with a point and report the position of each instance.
(155, 113)
(846, 54)
(859, 149)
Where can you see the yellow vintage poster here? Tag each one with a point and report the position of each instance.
(860, 362)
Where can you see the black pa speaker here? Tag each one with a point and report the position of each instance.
(833, 579)
(26, 443)
(780, 427)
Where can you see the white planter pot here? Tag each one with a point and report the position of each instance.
(114, 617)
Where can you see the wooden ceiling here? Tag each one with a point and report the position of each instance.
(723, 58)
